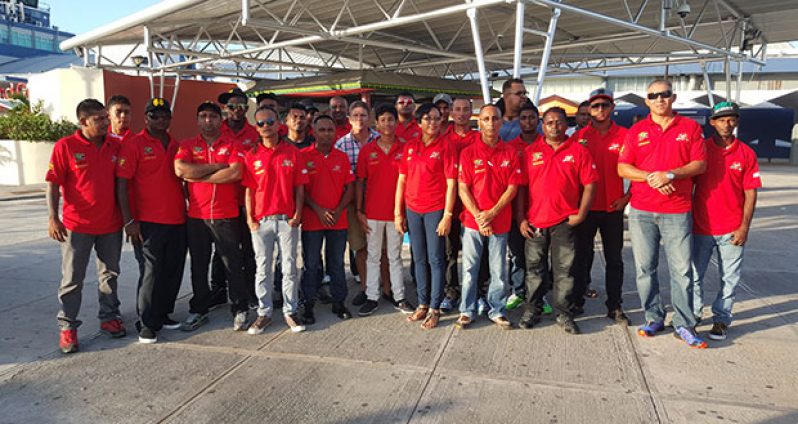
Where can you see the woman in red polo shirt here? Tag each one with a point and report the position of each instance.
(425, 196)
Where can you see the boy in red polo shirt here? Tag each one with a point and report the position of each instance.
(562, 178)
(489, 175)
(327, 194)
(155, 223)
(724, 203)
(274, 177)
(211, 166)
(603, 138)
(82, 172)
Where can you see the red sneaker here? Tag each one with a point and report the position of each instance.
(114, 328)
(69, 341)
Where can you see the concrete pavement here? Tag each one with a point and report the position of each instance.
(382, 369)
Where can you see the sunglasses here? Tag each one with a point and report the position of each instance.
(404, 102)
(602, 105)
(267, 121)
(664, 94)
(156, 116)
(521, 93)
(236, 106)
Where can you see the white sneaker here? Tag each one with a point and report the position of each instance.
(294, 323)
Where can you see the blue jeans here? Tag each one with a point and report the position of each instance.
(334, 249)
(473, 245)
(646, 230)
(730, 265)
(429, 250)
(263, 240)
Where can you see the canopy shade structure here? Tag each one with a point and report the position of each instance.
(450, 39)
(351, 82)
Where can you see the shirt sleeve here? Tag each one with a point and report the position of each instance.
(587, 168)
(362, 165)
(698, 148)
(405, 159)
(300, 171)
(247, 179)
(628, 153)
(183, 152)
(59, 164)
(449, 161)
(127, 163)
(350, 175)
(516, 177)
(236, 155)
(466, 168)
(751, 178)
(523, 158)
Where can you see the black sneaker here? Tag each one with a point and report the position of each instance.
(218, 299)
(567, 323)
(718, 331)
(389, 297)
(618, 316)
(529, 320)
(340, 311)
(308, 318)
(170, 324)
(147, 336)
(368, 308)
(404, 307)
(360, 299)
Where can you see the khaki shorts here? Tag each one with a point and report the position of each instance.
(354, 234)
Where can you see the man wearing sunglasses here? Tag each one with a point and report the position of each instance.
(272, 101)
(210, 163)
(604, 139)
(660, 156)
(274, 177)
(155, 223)
(406, 128)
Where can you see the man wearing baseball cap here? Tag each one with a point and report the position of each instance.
(443, 102)
(155, 223)
(723, 205)
(603, 138)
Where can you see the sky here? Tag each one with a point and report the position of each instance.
(79, 16)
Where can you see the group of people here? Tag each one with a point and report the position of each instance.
(519, 199)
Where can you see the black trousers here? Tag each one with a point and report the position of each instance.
(559, 241)
(218, 275)
(226, 235)
(453, 246)
(161, 257)
(610, 226)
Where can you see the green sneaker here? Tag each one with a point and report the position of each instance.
(547, 309)
(513, 302)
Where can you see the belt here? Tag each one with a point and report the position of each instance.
(275, 218)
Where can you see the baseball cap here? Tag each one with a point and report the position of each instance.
(725, 109)
(442, 97)
(209, 105)
(601, 92)
(235, 92)
(156, 104)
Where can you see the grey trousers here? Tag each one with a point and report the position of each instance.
(75, 253)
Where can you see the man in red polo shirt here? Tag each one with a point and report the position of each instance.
(562, 179)
(82, 172)
(119, 113)
(724, 203)
(339, 111)
(603, 138)
(272, 101)
(274, 177)
(328, 193)
(211, 166)
(661, 155)
(156, 225)
(490, 173)
(407, 128)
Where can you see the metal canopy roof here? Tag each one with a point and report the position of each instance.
(445, 38)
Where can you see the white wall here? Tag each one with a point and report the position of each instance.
(62, 89)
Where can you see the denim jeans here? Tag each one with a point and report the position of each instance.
(560, 240)
(393, 243)
(334, 249)
(263, 241)
(730, 264)
(429, 250)
(474, 244)
(610, 225)
(646, 230)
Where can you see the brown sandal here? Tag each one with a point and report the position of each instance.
(463, 321)
(419, 314)
(432, 320)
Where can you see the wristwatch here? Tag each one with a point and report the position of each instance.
(671, 176)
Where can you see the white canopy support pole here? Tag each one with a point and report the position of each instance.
(163, 83)
(519, 38)
(483, 73)
(739, 81)
(727, 72)
(174, 93)
(707, 85)
(244, 12)
(544, 59)
(147, 45)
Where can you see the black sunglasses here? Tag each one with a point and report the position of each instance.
(234, 106)
(602, 105)
(664, 94)
(267, 121)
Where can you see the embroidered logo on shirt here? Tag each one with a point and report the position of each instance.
(583, 141)
(288, 162)
(223, 151)
(477, 162)
(642, 136)
(311, 164)
(505, 163)
(147, 150)
(682, 137)
(569, 158)
(197, 149)
(121, 162)
(336, 168)
(398, 156)
(755, 175)
(80, 157)
(373, 155)
(257, 164)
(736, 166)
(614, 146)
(435, 155)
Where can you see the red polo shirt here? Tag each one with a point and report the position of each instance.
(407, 132)
(488, 171)
(342, 130)
(720, 191)
(120, 137)
(86, 176)
(604, 148)
(245, 138)
(272, 175)
(520, 145)
(381, 171)
(651, 149)
(556, 179)
(208, 200)
(427, 168)
(460, 142)
(328, 177)
(157, 191)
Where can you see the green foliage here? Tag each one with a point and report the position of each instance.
(29, 123)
